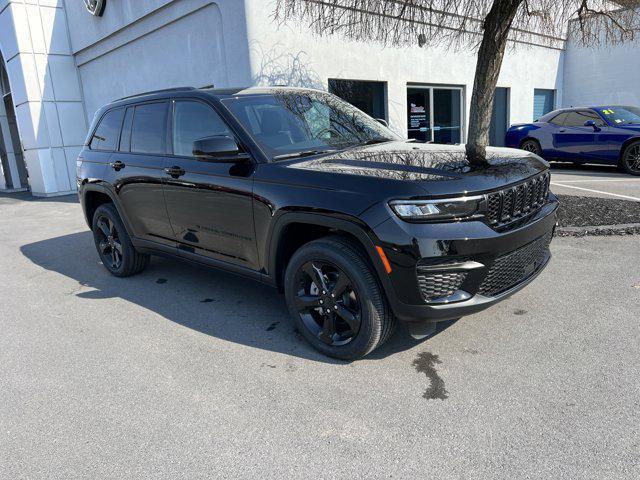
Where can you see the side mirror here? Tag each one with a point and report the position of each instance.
(219, 148)
(592, 124)
(383, 122)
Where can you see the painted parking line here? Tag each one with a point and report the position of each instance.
(623, 180)
(596, 191)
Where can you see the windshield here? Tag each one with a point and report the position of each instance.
(287, 124)
(621, 115)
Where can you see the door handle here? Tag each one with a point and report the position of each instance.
(175, 171)
(562, 130)
(117, 165)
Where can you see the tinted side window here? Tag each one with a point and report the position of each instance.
(107, 133)
(577, 119)
(559, 119)
(148, 130)
(595, 117)
(192, 121)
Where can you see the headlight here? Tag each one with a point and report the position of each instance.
(442, 209)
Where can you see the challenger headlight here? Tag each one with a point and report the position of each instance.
(441, 209)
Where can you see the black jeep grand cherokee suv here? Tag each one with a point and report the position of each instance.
(300, 190)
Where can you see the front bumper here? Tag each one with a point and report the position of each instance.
(409, 245)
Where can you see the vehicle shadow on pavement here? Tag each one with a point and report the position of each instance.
(209, 301)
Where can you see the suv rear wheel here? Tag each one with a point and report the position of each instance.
(114, 245)
(335, 300)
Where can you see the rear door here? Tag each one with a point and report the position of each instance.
(96, 156)
(210, 205)
(137, 171)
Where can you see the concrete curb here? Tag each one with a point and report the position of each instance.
(600, 230)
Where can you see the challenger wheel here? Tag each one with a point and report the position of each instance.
(630, 160)
(114, 245)
(335, 299)
(531, 146)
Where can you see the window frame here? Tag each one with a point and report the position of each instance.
(464, 126)
(132, 109)
(172, 103)
(382, 83)
(582, 112)
(166, 101)
(171, 123)
(99, 122)
(551, 121)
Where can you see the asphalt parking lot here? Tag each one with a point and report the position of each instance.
(183, 372)
(594, 181)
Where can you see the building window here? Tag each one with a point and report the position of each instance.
(435, 114)
(367, 96)
(543, 102)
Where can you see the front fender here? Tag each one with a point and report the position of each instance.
(332, 220)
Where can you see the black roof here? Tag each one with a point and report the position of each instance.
(210, 92)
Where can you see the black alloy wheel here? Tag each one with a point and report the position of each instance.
(335, 298)
(631, 159)
(109, 245)
(114, 245)
(327, 303)
(531, 146)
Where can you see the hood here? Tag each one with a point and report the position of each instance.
(438, 169)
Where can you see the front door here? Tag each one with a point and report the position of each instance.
(210, 205)
(579, 142)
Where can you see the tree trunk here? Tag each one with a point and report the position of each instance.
(494, 41)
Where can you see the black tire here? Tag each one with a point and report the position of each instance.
(364, 298)
(630, 159)
(114, 244)
(531, 145)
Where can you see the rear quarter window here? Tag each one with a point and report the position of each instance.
(106, 135)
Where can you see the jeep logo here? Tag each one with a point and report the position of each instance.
(95, 7)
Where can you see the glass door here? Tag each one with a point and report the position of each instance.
(435, 114)
(419, 114)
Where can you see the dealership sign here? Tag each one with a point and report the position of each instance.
(95, 7)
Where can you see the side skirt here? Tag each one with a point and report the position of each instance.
(153, 248)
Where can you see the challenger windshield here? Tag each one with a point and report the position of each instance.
(621, 115)
(289, 124)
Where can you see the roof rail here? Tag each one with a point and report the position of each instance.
(176, 89)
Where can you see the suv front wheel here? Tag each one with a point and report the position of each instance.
(114, 244)
(335, 300)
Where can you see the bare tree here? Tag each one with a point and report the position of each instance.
(485, 25)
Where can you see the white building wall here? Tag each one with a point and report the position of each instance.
(155, 44)
(46, 92)
(609, 75)
(137, 46)
(292, 53)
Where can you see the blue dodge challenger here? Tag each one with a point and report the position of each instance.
(608, 135)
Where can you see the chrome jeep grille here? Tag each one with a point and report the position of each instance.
(507, 206)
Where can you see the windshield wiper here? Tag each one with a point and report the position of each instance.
(304, 153)
(373, 141)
